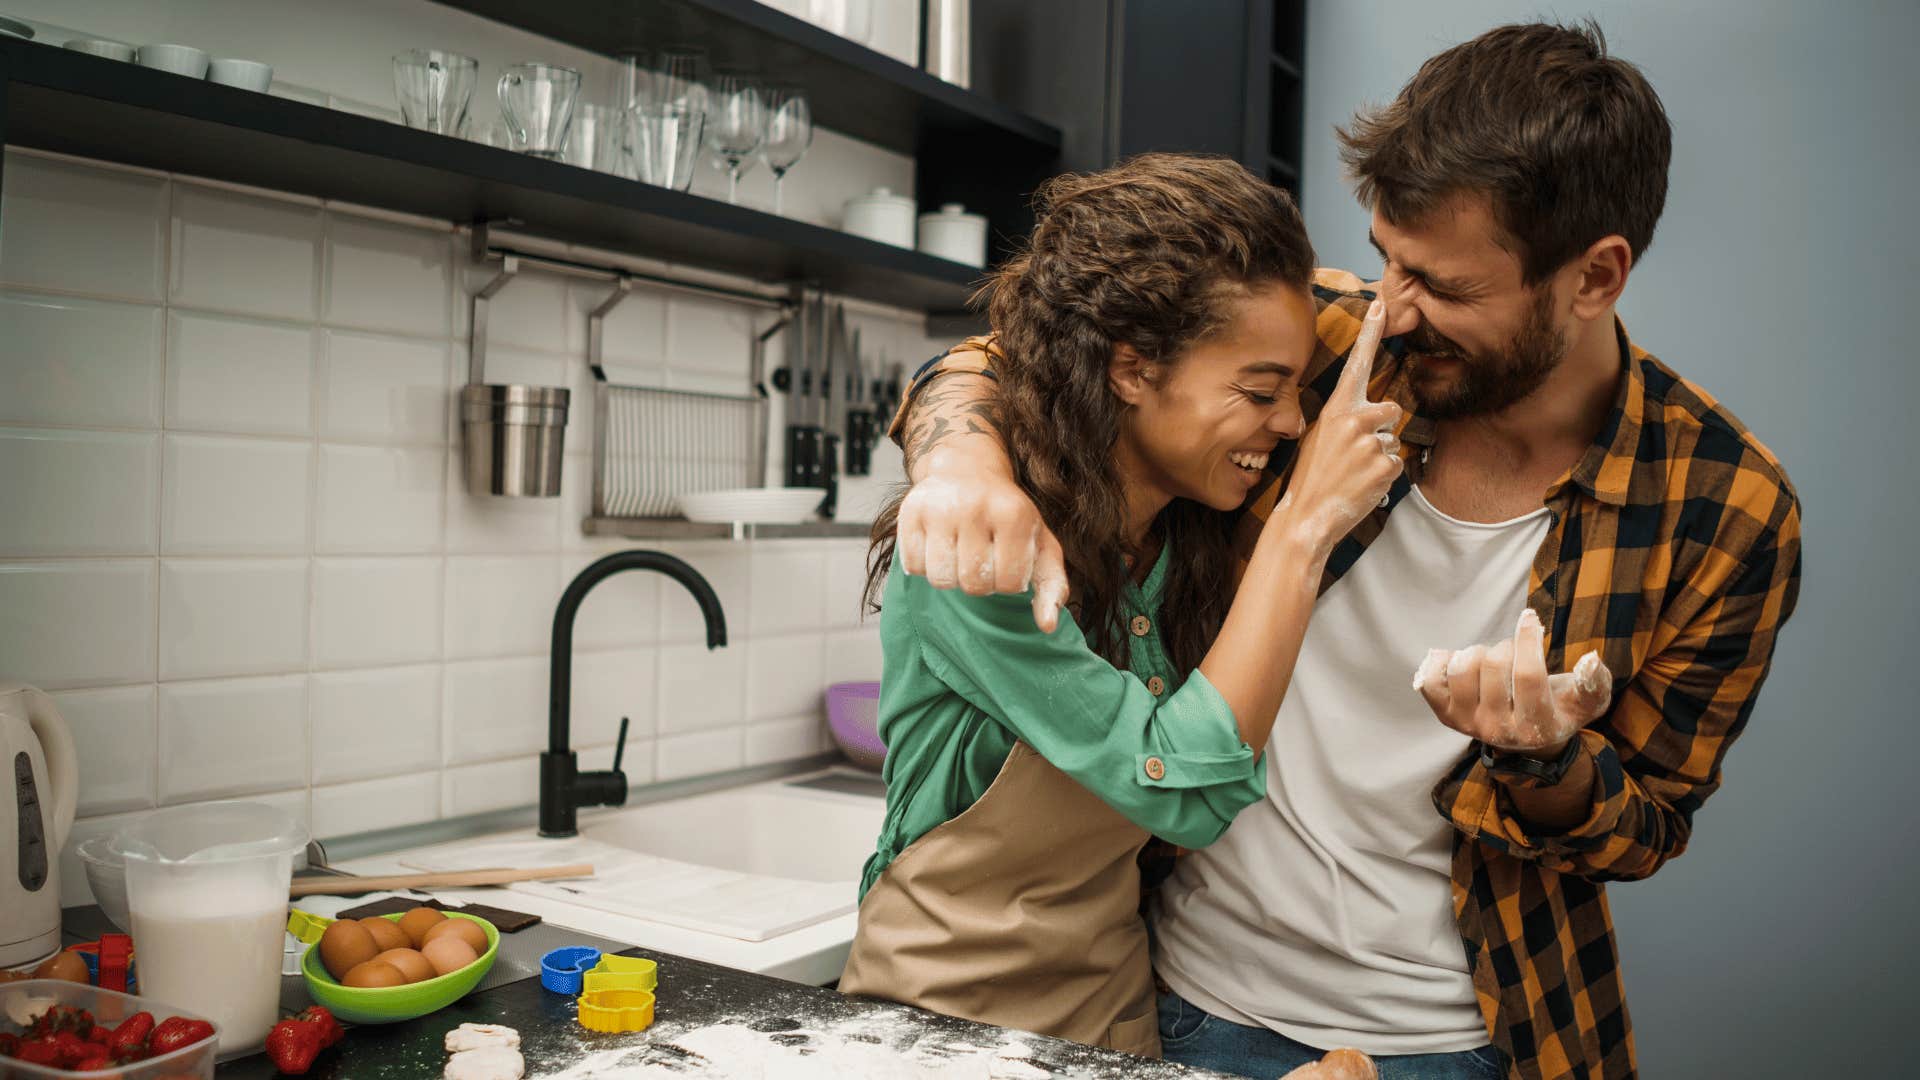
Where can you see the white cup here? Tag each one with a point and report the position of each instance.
(112, 50)
(178, 59)
(245, 74)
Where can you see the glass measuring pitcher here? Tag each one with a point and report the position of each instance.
(207, 894)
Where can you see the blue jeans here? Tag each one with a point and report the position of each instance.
(1192, 1037)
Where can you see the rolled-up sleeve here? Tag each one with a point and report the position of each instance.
(1174, 765)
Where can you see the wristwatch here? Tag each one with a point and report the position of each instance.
(1519, 770)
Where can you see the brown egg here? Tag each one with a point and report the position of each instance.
(449, 954)
(417, 922)
(386, 933)
(465, 929)
(63, 965)
(345, 946)
(374, 973)
(410, 962)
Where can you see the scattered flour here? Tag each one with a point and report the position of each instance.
(890, 1044)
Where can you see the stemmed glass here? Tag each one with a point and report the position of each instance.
(681, 78)
(789, 133)
(736, 125)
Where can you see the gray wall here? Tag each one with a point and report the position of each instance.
(1784, 943)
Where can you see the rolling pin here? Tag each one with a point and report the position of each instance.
(353, 886)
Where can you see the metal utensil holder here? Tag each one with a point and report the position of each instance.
(514, 436)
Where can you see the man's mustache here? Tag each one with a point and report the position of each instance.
(1422, 341)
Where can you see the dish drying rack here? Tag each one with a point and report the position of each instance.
(653, 444)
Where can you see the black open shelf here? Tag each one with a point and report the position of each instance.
(853, 89)
(92, 107)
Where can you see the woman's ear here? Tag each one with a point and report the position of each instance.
(1129, 374)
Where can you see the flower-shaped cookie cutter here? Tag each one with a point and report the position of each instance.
(616, 1010)
(623, 973)
(562, 968)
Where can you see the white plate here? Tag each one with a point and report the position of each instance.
(758, 506)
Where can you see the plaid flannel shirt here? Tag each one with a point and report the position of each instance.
(1673, 550)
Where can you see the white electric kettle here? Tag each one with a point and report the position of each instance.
(39, 781)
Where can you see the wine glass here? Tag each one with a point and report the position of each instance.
(789, 133)
(681, 77)
(736, 125)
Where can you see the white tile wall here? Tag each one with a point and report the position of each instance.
(238, 546)
(81, 362)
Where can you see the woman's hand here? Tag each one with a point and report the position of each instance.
(1349, 458)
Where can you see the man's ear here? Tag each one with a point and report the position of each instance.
(1129, 374)
(1603, 270)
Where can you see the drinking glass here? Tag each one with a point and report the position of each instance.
(599, 140)
(789, 133)
(434, 89)
(736, 125)
(664, 140)
(631, 84)
(536, 101)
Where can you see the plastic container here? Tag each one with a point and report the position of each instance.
(108, 1007)
(392, 1004)
(207, 895)
(853, 718)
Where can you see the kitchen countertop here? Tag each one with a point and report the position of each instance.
(693, 994)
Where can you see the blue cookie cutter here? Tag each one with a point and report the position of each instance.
(561, 969)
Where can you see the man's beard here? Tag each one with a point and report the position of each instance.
(1484, 385)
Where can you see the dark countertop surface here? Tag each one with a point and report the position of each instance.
(692, 995)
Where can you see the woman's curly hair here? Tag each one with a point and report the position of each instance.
(1152, 254)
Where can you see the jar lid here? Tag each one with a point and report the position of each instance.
(953, 211)
(881, 196)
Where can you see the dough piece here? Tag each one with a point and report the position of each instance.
(1337, 1065)
(487, 1063)
(481, 1036)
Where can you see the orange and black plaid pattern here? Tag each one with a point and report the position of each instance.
(1674, 551)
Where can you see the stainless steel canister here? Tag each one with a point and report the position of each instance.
(514, 438)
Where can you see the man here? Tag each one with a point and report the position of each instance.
(1570, 506)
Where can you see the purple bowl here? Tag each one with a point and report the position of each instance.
(853, 714)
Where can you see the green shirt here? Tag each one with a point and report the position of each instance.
(965, 677)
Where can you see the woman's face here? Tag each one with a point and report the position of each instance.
(1202, 427)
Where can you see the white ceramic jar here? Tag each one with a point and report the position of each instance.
(952, 233)
(881, 215)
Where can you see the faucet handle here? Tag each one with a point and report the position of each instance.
(620, 745)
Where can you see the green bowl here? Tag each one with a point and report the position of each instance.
(391, 1004)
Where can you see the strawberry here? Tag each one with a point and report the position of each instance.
(39, 1050)
(175, 1032)
(128, 1042)
(96, 1060)
(296, 1041)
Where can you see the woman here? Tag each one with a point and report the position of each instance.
(1149, 345)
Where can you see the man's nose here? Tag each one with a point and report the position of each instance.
(1402, 317)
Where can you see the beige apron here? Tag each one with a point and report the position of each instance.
(1021, 912)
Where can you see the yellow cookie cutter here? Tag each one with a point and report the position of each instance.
(616, 1010)
(306, 926)
(623, 973)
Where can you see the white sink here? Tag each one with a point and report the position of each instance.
(750, 863)
(771, 830)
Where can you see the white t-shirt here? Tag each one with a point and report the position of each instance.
(1326, 912)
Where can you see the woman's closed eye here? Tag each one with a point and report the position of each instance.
(1261, 395)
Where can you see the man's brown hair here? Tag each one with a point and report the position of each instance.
(1568, 143)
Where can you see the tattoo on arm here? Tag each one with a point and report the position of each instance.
(954, 405)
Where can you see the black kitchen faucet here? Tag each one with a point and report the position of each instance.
(563, 787)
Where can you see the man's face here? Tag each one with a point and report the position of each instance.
(1484, 340)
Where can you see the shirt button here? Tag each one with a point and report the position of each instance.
(1154, 686)
(1156, 769)
(1140, 625)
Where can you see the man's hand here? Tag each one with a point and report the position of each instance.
(966, 524)
(1503, 697)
